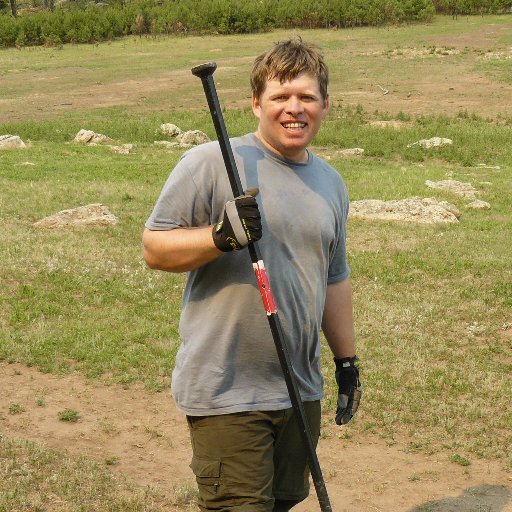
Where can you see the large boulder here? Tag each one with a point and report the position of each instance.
(456, 187)
(90, 215)
(434, 142)
(414, 209)
(396, 125)
(351, 151)
(11, 142)
(192, 138)
(170, 129)
(167, 144)
(477, 204)
(90, 137)
(125, 149)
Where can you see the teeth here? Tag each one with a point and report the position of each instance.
(294, 125)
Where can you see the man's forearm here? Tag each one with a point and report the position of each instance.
(179, 250)
(338, 321)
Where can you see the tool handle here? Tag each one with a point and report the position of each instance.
(205, 73)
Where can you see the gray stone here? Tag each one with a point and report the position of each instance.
(479, 205)
(456, 187)
(396, 125)
(90, 215)
(11, 142)
(166, 143)
(170, 129)
(431, 143)
(90, 137)
(351, 151)
(125, 149)
(414, 209)
(192, 138)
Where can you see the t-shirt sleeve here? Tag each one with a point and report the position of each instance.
(183, 201)
(339, 269)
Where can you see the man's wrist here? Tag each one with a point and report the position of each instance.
(345, 362)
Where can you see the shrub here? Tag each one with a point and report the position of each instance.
(82, 22)
(69, 415)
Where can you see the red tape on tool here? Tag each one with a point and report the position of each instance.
(264, 286)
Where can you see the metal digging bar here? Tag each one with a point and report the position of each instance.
(205, 73)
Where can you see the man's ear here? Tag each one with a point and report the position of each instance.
(327, 106)
(256, 106)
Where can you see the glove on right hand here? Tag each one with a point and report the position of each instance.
(350, 389)
(240, 225)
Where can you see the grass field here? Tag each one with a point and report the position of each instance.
(432, 303)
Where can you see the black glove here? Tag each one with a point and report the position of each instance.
(350, 389)
(241, 223)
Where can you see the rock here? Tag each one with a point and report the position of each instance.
(192, 138)
(460, 189)
(170, 129)
(90, 137)
(485, 166)
(89, 215)
(167, 144)
(351, 151)
(11, 142)
(414, 209)
(479, 205)
(431, 143)
(125, 149)
(396, 125)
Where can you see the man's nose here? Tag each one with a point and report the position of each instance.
(294, 106)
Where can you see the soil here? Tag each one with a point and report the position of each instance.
(450, 81)
(148, 437)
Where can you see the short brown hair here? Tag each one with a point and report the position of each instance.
(285, 61)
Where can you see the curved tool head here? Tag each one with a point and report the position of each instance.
(204, 70)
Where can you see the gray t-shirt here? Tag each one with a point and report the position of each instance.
(227, 361)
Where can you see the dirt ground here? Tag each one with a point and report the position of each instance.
(149, 439)
(410, 79)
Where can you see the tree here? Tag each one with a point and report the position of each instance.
(14, 8)
(139, 27)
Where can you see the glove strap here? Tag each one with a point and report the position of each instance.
(346, 362)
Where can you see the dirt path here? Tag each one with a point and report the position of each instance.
(149, 438)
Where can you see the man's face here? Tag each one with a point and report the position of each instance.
(290, 115)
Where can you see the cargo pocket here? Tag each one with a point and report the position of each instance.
(208, 477)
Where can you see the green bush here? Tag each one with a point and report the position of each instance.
(8, 31)
(79, 21)
(456, 7)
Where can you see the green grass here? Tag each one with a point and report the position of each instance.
(85, 275)
(83, 300)
(35, 478)
(432, 303)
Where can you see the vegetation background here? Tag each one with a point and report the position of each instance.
(433, 303)
(45, 22)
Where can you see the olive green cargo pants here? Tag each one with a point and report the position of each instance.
(251, 461)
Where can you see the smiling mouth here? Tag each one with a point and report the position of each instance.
(294, 126)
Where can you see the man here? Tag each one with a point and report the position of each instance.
(247, 451)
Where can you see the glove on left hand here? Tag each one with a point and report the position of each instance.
(350, 389)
